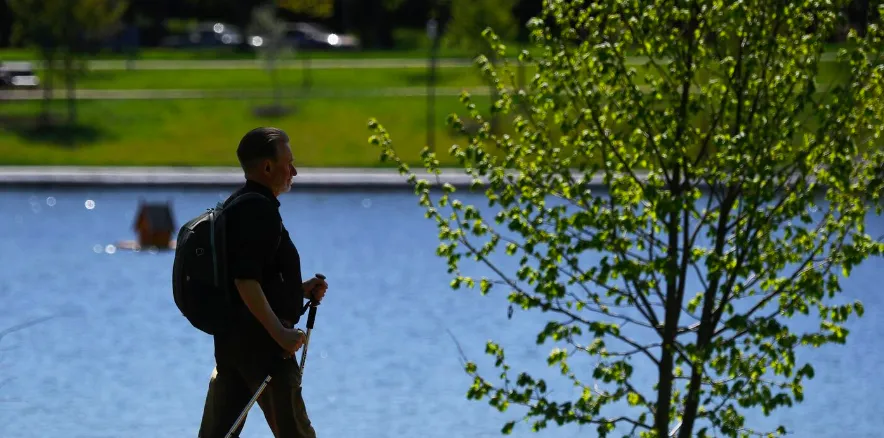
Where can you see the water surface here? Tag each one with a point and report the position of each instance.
(116, 359)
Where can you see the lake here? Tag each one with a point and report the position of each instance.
(110, 355)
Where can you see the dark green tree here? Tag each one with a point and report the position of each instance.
(470, 17)
(62, 31)
(35, 25)
(737, 181)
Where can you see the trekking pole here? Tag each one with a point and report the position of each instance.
(310, 319)
(242, 415)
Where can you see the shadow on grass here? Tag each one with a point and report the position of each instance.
(414, 78)
(53, 130)
(273, 112)
(103, 75)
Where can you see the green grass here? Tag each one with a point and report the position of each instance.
(204, 132)
(325, 133)
(337, 79)
(288, 78)
(19, 54)
(152, 53)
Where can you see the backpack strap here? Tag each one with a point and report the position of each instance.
(253, 195)
(241, 198)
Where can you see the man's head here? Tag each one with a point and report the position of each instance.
(266, 157)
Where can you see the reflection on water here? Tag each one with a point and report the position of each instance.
(111, 356)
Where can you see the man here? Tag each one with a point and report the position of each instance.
(264, 268)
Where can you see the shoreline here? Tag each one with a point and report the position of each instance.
(208, 177)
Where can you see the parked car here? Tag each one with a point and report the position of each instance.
(18, 75)
(206, 35)
(310, 36)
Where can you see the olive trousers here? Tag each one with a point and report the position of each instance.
(232, 385)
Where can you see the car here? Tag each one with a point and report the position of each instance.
(309, 36)
(18, 75)
(206, 35)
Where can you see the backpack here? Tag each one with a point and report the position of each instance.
(200, 284)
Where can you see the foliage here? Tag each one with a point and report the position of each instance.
(313, 8)
(735, 194)
(64, 23)
(272, 29)
(64, 29)
(470, 17)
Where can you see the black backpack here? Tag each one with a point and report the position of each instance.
(199, 272)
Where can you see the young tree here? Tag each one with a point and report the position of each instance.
(62, 30)
(35, 24)
(737, 185)
(266, 23)
(81, 23)
(314, 8)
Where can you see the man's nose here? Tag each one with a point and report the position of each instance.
(294, 171)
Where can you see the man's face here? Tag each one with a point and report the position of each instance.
(283, 170)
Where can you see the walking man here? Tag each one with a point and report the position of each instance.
(265, 269)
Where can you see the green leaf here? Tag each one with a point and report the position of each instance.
(633, 399)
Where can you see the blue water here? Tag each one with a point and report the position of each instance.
(110, 356)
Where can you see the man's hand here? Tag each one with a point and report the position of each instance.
(314, 289)
(291, 340)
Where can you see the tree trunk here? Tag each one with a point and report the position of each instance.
(48, 73)
(671, 318)
(307, 80)
(274, 83)
(71, 87)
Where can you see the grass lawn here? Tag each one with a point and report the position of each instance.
(153, 53)
(204, 132)
(325, 133)
(334, 78)
(19, 54)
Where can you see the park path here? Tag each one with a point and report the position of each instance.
(86, 94)
(246, 64)
(320, 93)
(253, 64)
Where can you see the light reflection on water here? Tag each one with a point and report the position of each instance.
(116, 359)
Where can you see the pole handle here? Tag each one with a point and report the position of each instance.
(312, 306)
(311, 317)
